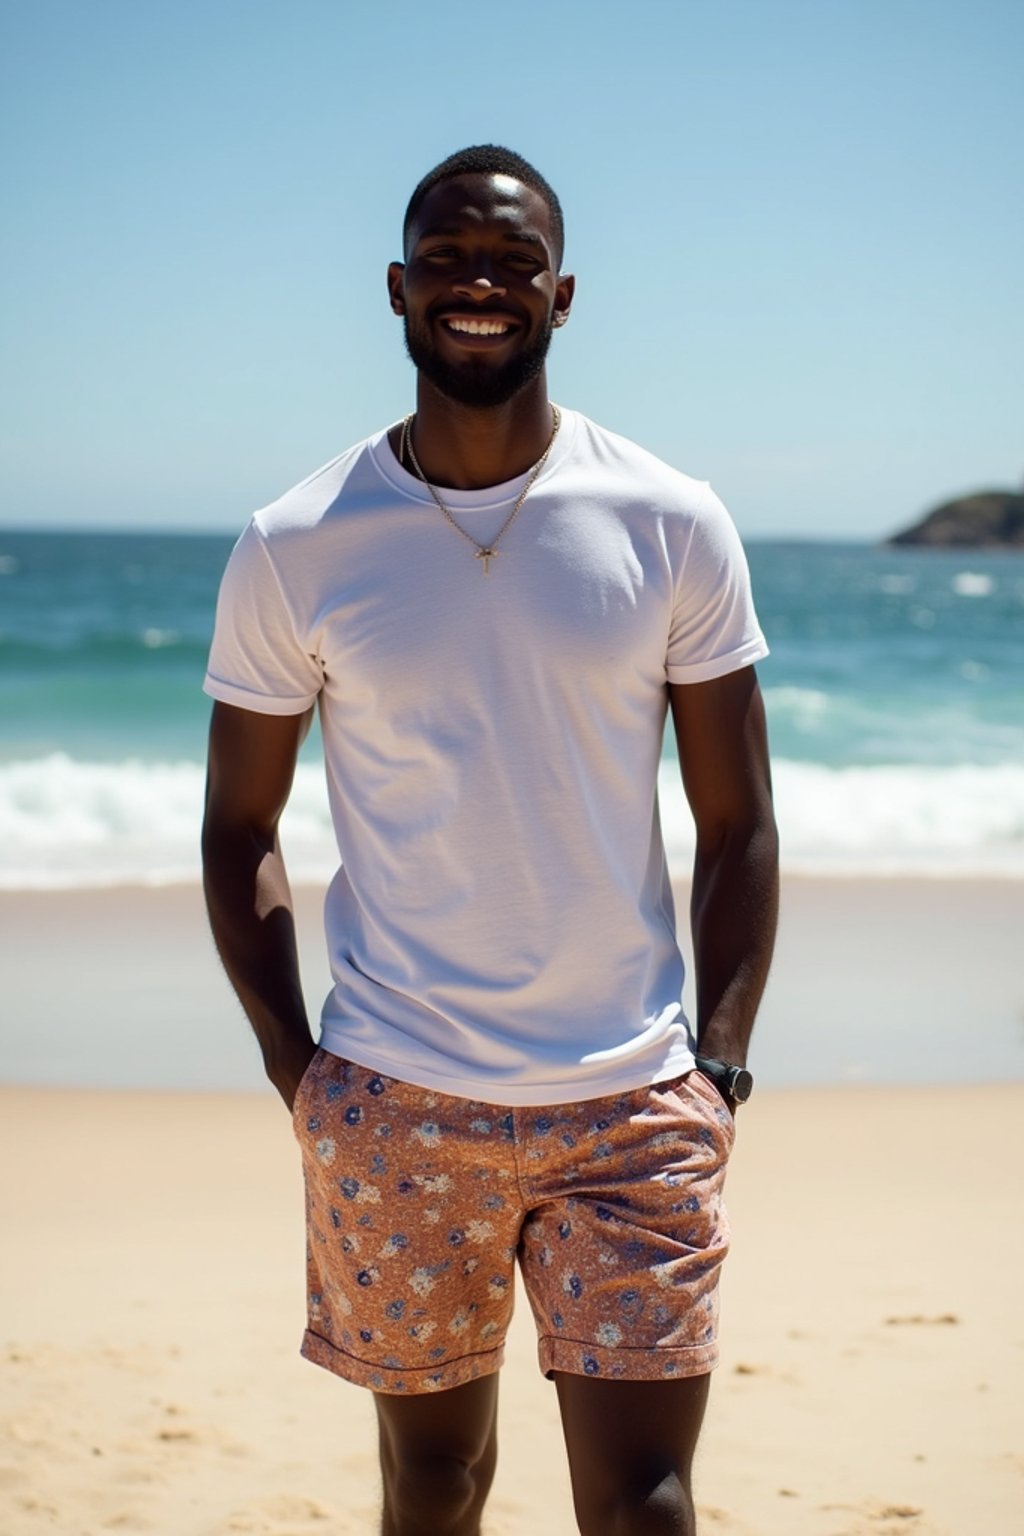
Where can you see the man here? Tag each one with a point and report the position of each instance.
(493, 604)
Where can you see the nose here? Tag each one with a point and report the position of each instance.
(478, 288)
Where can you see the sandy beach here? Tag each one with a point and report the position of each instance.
(874, 981)
(152, 1289)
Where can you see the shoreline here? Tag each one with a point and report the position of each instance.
(874, 981)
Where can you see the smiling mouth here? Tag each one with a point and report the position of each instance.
(466, 326)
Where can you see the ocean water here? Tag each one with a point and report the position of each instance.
(895, 694)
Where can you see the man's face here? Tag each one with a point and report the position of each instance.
(480, 291)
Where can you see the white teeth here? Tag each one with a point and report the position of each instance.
(479, 327)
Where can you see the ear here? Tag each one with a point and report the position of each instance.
(564, 290)
(396, 286)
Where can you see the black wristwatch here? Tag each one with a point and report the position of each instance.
(734, 1083)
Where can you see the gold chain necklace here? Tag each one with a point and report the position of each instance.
(484, 552)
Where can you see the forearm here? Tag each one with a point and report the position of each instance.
(734, 912)
(250, 909)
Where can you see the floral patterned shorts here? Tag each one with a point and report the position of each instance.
(419, 1203)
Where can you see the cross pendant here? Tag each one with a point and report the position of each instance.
(486, 555)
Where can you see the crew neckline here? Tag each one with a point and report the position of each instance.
(482, 499)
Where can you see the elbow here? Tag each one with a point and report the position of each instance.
(227, 843)
(741, 857)
(753, 828)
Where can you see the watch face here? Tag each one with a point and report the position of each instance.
(742, 1085)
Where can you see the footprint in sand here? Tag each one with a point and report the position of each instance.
(263, 1518)
(886, 1519)
(744, 1368)
(919, 1320)
(34, 1506)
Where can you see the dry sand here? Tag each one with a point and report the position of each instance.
(152, 1287)
(873, 1371)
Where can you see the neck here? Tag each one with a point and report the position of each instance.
(467, 449)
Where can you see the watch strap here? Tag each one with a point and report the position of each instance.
(727, 1077)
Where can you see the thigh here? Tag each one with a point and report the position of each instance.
(630, 1446)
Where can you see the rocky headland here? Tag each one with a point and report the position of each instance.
(986, 520)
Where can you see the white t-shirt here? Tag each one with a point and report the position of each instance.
(501, 926)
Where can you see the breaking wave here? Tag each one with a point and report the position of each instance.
(65, 823)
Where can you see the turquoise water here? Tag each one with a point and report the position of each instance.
(895, 693)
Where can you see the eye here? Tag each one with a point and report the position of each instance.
(523, 261)
(440, 253)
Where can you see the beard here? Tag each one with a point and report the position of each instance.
(476, 382)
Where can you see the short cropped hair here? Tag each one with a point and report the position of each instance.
(489, 160)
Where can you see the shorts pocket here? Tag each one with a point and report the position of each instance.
(718, 1110)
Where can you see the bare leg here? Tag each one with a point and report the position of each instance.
(631, 1446)
(437, 1456)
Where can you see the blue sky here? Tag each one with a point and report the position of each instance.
(797, 230)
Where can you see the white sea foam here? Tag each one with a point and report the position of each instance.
(885, 820)
(65, 823)
(972, 584)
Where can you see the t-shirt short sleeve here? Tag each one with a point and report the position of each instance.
(714, 628)
(257, 660)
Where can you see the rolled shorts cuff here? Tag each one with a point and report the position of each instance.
(393, 1379)
(660, 1364)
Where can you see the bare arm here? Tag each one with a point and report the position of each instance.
(250, 771)
(723, 753)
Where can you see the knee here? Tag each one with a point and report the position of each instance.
(661, 1509)
(428, 1494)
